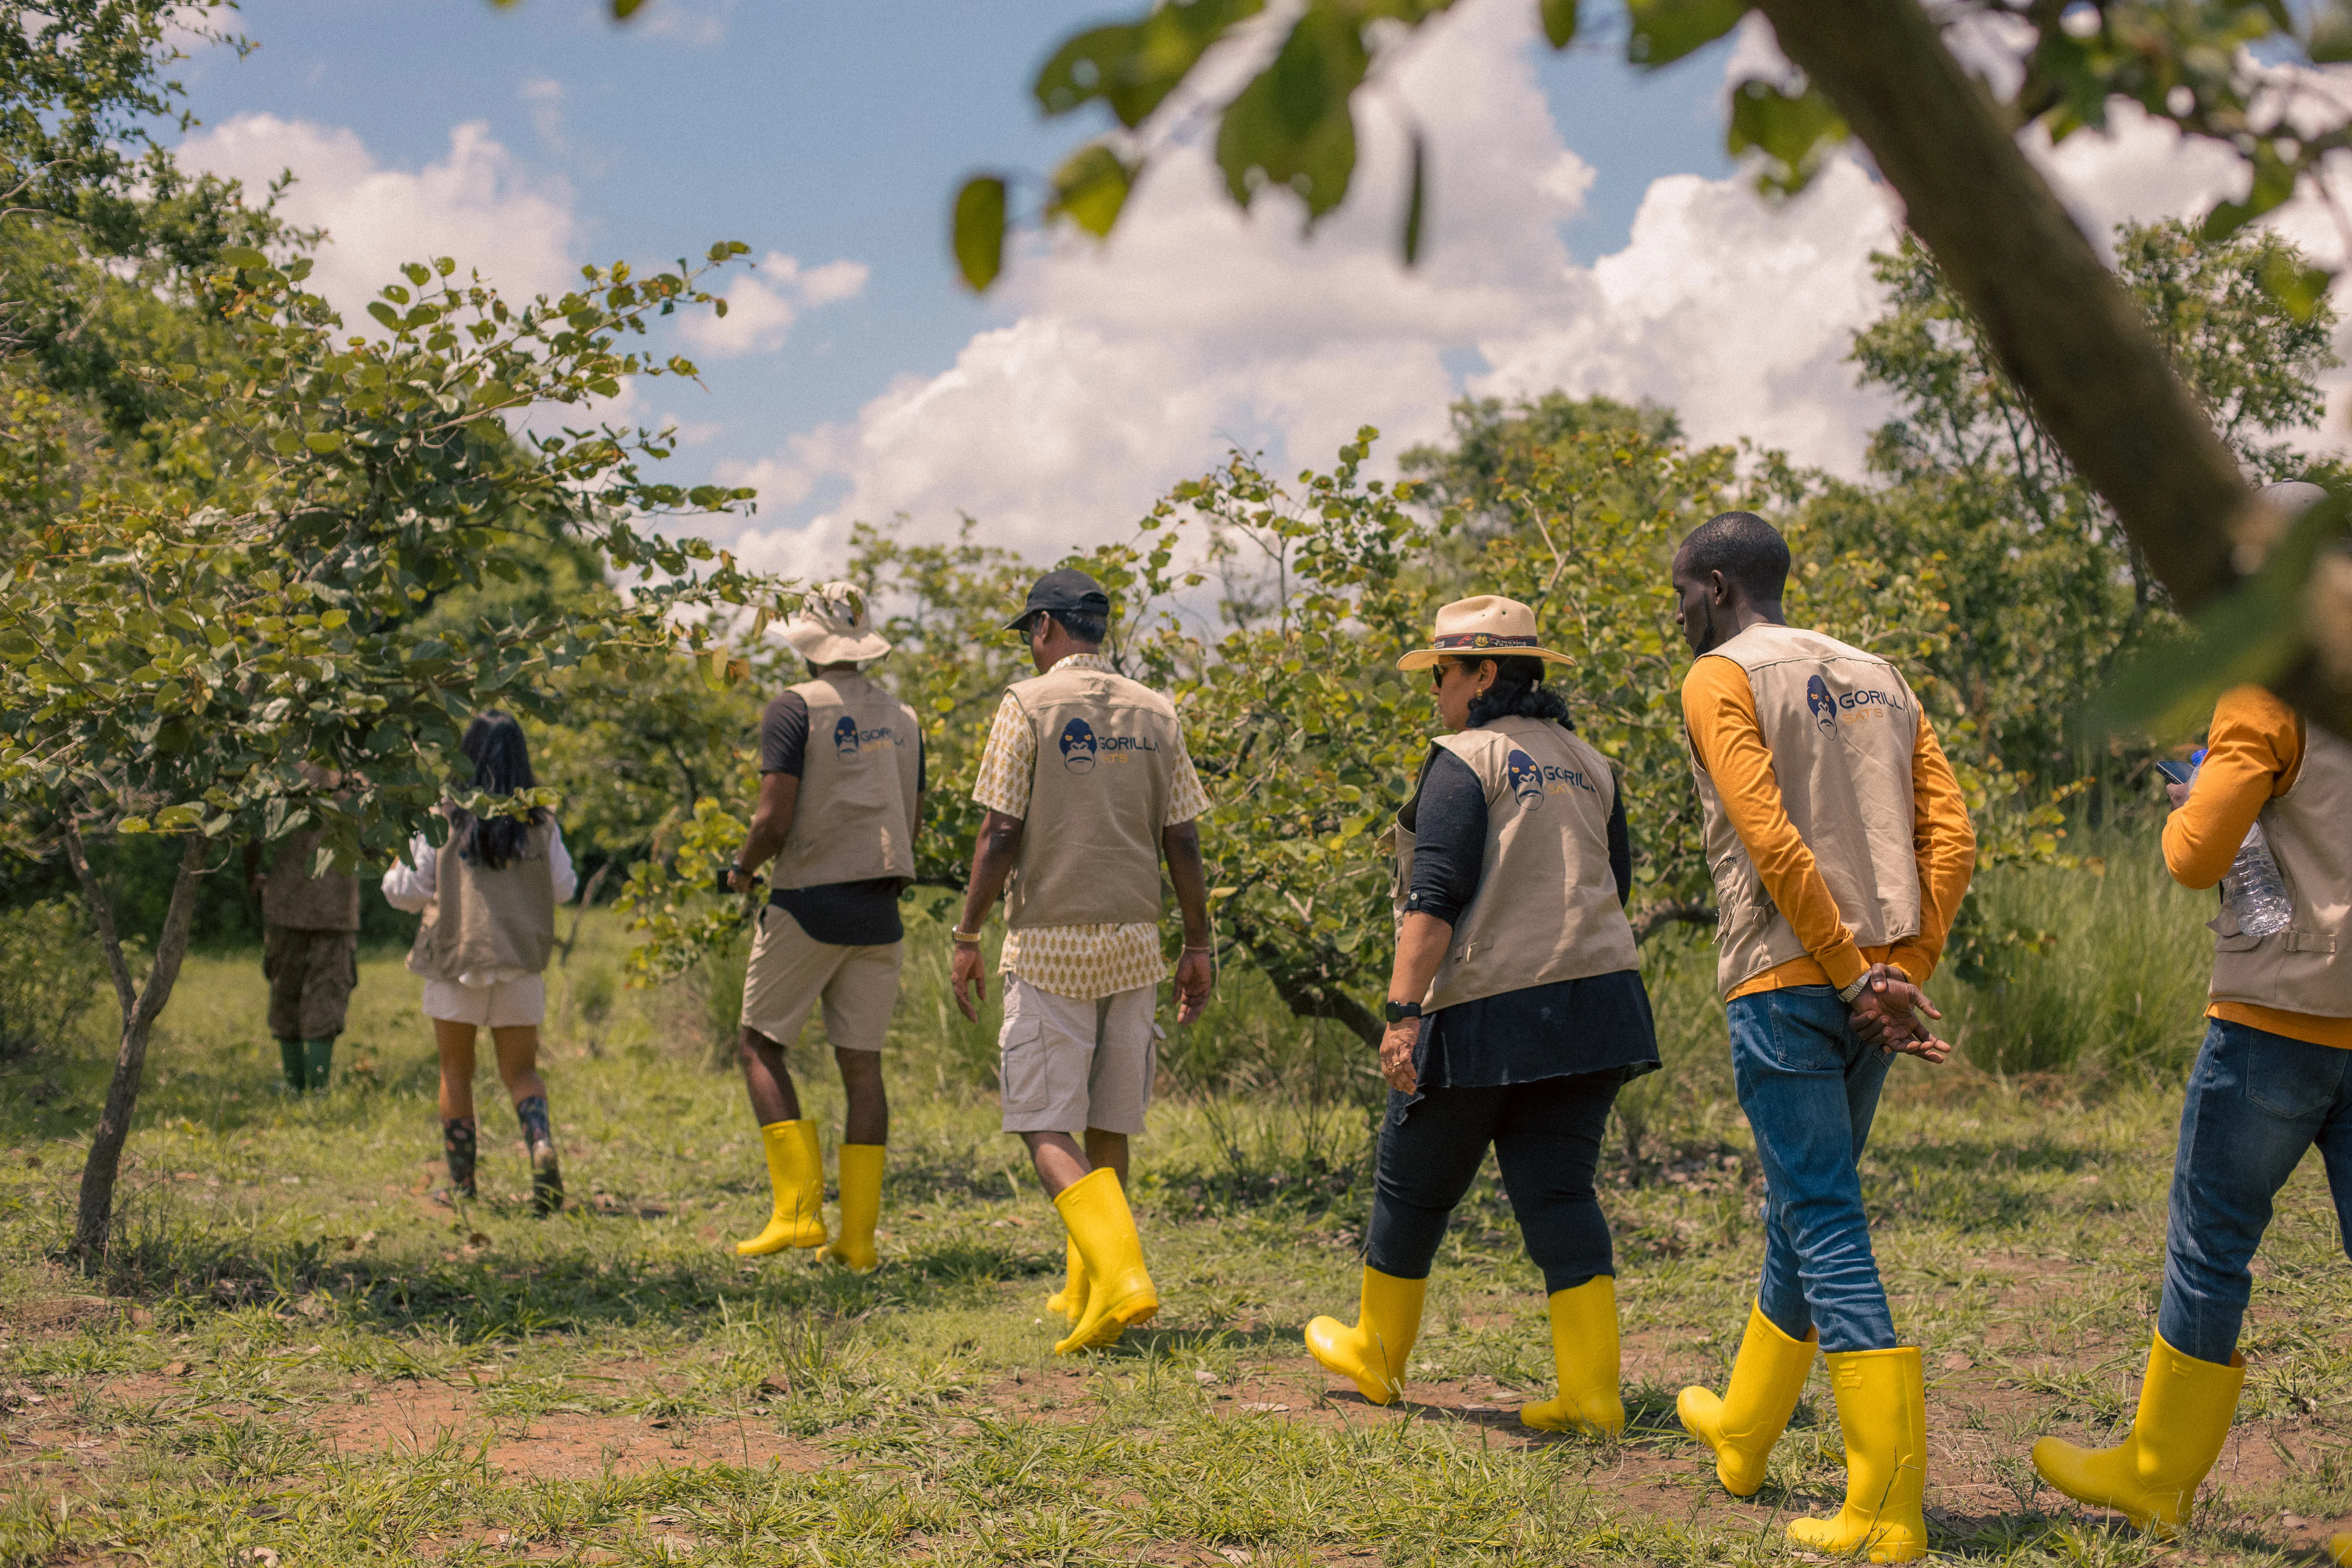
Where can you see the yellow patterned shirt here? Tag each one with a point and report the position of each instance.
(1079, 961)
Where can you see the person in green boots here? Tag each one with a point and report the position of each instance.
(309, 947)
(1516, 1010)
(488, 897)
(1089, 790)
(2271, 1082)
(841, 791)
(1841, 848)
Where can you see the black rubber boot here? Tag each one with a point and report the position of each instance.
(546, 1174)
(457, 1146)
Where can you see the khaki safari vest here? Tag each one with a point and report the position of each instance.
(482, 919)
(1841, 725)
(1546, 908)
(1098, 798)
(292, 898)
(2306, 968)
(853, 820)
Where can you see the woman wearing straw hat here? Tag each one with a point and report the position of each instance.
(1516, 1010)
(841, 793)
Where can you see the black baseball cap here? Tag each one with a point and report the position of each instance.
(1066, 589)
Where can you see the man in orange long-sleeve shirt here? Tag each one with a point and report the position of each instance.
(2272, 1081)
(1841, 848)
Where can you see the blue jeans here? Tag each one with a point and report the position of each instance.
(1810, 1089)
(2256, 1103)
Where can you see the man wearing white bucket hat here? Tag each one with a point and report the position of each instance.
(841, 785)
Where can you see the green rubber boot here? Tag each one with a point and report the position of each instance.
(321, 1054)
(291, 1057)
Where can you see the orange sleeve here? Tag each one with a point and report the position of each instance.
(1945, 845)
(2253, 753)
(1719, 709)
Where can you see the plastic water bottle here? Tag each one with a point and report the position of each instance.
(2253, 888)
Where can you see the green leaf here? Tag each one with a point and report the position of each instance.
(1132, 66)
(324, 441)
(2252, 635)
(979, 235)
(1090, 187)
(1559, 21)
(1664, 31)
(1792, 133)
(2299, 288)
(2273, 184)
(1414, 202)
(243, 256)
(1291, 126)
(2331, 32)
(385, 314)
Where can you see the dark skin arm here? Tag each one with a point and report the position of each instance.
(1889, 1015)
(771, 822)
(993, 853)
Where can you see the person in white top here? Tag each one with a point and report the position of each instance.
(488, 898)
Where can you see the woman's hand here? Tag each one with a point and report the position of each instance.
(1396, 1055)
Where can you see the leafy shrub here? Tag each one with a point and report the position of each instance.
(52, 973)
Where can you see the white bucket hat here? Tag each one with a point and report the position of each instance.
(833, 626)
(1488, 626)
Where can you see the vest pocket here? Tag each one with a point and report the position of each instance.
(2228, 938)
(1021, 1071)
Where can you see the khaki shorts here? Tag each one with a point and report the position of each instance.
(310, 975)
(517, 1004)
(1067, 1064)
(791, 972)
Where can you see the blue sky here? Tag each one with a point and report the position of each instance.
(1588, 233)
(819, 131)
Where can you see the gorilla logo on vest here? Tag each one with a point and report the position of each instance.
(1526, 779)
(845, 736)
(1820, 703)
(1078, 746)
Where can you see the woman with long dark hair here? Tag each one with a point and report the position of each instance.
(488, 898)
(1516, 1010)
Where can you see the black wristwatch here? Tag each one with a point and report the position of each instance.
(1398, 1012)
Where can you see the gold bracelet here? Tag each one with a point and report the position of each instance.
(968, 938)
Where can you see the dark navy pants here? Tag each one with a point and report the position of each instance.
(1546, 1138)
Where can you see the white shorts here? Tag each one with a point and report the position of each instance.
(1067, 1064)
(790, 972)
(507, 1005)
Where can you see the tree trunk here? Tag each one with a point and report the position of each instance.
(2066, 331)
(2062, 325)
(139, 1009)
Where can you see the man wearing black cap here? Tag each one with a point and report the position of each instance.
(1098, 761)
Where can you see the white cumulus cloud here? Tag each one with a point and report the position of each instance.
(762, 304)
(477, 205)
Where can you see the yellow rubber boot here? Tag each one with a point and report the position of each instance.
(798, 1174)
(2339, 1547)
(2185, 1407)
(861, 1207)
(1372, 1353)
(1584, 1349)
(1119, 1288)
(1767, 1376)
(1882, 1406)
(1070, 1301)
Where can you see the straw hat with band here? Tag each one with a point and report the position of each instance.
(833, 626)
(1486, 626)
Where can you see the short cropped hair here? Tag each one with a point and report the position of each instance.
(1747, 551)
(1084, 626)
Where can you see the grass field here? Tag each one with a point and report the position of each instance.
(297, 1358)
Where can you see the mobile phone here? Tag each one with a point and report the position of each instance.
(2178, 773)
(722, 881)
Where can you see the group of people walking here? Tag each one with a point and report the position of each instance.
(1840, 847)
